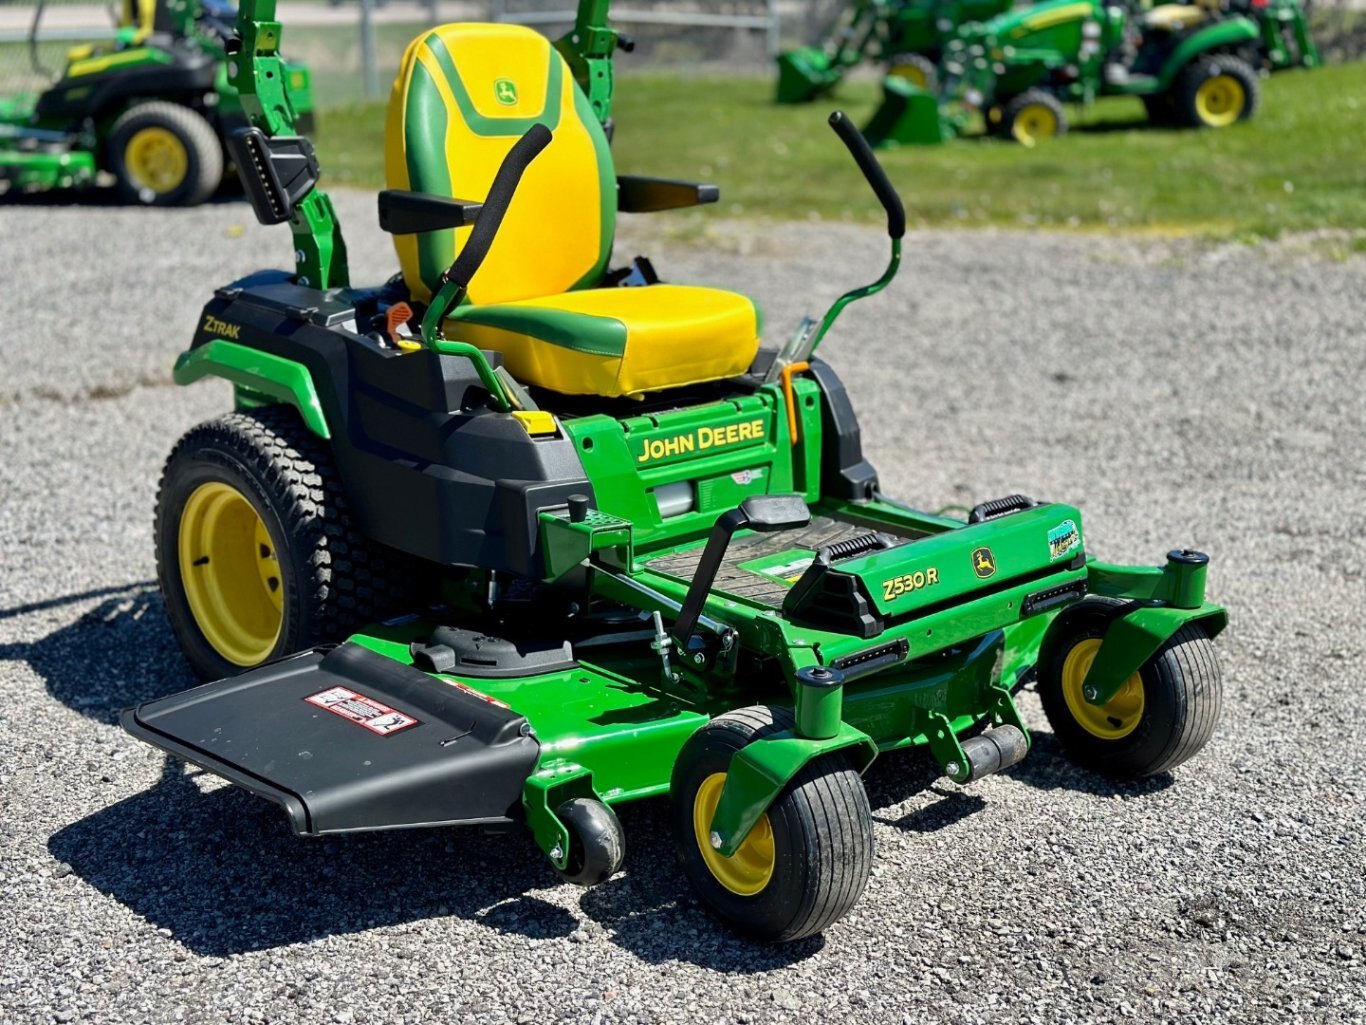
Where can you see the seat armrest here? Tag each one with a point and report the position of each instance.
(409, 213)
(646, 195)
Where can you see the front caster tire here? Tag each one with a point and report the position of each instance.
(597, 843)
(807, 861)
(1162, 714)
(257, 553)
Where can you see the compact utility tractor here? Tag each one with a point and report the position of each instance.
(1196, 65)
(154, 109)
(906, 37)
(517, 537)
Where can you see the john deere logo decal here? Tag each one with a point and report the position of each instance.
(506, 91)
(983, 562)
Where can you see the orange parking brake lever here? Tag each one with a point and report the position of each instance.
(787, 372)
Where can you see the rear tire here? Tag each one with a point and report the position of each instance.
(1161, 716)
(1215, 92)
(1032, 117)
(807, 861)
(257, 552)
(164, 154)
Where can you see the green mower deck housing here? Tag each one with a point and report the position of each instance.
(153, 108)
(570, 601)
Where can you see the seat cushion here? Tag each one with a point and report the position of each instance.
(617, 341)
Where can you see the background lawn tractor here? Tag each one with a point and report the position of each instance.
(624, 549)
(1191, 65)
(154, 110)
(905, 36)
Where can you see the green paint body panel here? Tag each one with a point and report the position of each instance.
(1223, 35)
(260, 373)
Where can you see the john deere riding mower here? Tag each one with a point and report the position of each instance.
(520, 536)
(906, 37)
(1196, 65)
(153, 110)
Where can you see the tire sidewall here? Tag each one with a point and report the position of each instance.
(187, 471)
(138, 118)
(768, 912)
(1128, 755)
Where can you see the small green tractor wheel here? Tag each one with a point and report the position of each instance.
(164, 154)
(1033, 117)
(915, 68)
(806, 862)
(597, 843)
(1161, 715)
(1215, 92)
(257, 553)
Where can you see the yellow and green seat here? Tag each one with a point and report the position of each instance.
(464, 94)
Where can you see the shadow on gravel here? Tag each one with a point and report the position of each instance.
(118, 654)
(97, 196)
(223, 873)
(1048, 768)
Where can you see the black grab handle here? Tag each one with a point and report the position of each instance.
(872, 170)
(505, 183)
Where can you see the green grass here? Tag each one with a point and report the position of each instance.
(1295, 166)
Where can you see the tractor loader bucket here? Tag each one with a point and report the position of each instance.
(804, 73)
(347, 740)
(907, 116)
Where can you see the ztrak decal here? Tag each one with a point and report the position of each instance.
(701, 439)
(367, 712)
(908, 582)
(983, 562)
(222, 328)
(1062, 539)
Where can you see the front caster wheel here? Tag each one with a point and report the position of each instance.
(1161, 715)
(806, 862)
(597, 843)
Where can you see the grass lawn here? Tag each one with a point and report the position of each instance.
(1297, 165)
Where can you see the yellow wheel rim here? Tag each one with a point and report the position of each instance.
(1220, 101)
(749, 869)
(231, 574)
(1033, 123)
(912, 73)
(156, 159)
(1115, 719)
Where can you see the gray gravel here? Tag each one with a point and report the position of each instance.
(1182, 393)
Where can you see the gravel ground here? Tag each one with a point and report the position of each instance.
(1181, 393)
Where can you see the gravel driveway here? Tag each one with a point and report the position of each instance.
(1182, 394)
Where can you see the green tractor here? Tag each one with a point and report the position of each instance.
(905, 36)
(153, 110)
(1191, 65)
(515, 537)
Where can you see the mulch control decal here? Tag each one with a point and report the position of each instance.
(374, 716)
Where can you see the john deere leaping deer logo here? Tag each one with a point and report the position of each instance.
(983, 562)
(505, 91)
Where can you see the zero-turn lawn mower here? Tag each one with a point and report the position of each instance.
(517, 537)
(153, 110)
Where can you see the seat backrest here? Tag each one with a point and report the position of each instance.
(464, 94)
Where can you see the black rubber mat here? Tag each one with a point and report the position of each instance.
(759, 587)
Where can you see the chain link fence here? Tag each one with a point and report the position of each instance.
(354, 46)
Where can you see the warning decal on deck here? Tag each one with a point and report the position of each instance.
(367, 712)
